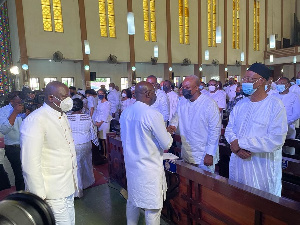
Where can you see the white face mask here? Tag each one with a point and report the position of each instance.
(211, 88)
(65, 105)
(123, 95)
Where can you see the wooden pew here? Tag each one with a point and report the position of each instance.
(198, 197)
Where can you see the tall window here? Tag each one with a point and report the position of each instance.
(124, 83)
(107, 13)
(184, 24)
(34, 84)
(211, 23)
(96, 85)
(48, 80)
(68, 81)
(149, 22)
(256, 7)
(56, 14)
(236, 24)
(177, 81)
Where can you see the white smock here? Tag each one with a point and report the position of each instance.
(144, 138)
(173, 100)
(200, 128)
(260, 127)
(162, 104)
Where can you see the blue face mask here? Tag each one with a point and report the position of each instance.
(201, 87)
(280, 88)
(100, 97)
(292, 83)
(248, 88)
(266, 87)
(298, 81)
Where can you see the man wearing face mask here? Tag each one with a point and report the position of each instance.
(202, 88)
(144, 138)
(239, 96)
(256, 132)
(114, 98)
(198, 118)
(270, 87)
(162, 103)
(296, 87)
(291, 103)
(230, 90)
(48, 153)
(172, 97)
(216, 94)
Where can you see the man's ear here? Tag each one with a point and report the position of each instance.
(147, 94)
(50, 98)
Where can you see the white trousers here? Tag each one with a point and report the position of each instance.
(63, 210)
(152, 216)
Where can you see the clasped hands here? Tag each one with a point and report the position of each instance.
(171, 129)
(236, 149)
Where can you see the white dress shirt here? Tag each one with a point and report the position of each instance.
(261, 128)
(126, 103)
(48, 154)
(114, 99)
(231, 92)
(199, 125)
(144, 138)
(173, 100)
(219, 97)
(162, 104)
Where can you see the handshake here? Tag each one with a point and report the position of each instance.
(171, 129)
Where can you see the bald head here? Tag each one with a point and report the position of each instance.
(152, 79)
(54, 88)
(193, 79)
(56, 92)
(144, 92)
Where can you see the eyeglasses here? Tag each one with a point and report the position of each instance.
(250, 79)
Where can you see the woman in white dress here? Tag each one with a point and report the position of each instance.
(102, 118)
(83, 132)
(126, 99)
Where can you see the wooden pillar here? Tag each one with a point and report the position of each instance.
(85, 57)
(281, 27)
(222, 73)
(295, 70)
(131, 74)
(247, 33)
(167, 73)
(196, 67)
(266, 26)
(277, 71)
(22, 40)
(225, 35)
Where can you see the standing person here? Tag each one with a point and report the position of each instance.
(172, 97)
(144, 138)
(270, 87)
(198, 118)
(202, 88)
(126, 100)
(296, 87)
(83, 131)
(162, 103)
(114, 99)
(291, 102)
(216, 94)
(239, 96)
(48, 153)
(256, 132)
(10, 122)
(230, 89)
(73, 92)
(103, 118)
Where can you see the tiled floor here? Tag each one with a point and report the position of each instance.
(102, 204)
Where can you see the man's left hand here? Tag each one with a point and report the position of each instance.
(208, 160)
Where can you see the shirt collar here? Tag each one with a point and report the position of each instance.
(52, 111)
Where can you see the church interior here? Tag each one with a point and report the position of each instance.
(89, 43)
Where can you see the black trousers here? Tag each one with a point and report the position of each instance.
(13, 152)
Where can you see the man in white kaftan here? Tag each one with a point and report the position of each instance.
(162, 102)
(199, 123)
(291, 102)
(114, 98)
(256, 132)
(144, 138)
(172, 97)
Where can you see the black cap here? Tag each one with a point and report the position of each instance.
(261, 70)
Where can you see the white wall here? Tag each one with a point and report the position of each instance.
(42, 68)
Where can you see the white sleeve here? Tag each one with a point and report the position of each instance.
(214, 129)
(32, 139)
(274, 138)
(296, 110)
(230, 133)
